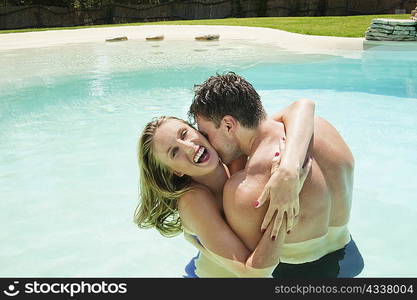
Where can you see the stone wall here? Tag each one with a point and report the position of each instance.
(373, 7)
(392, 30)
(50, 16)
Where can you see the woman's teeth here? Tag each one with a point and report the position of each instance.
(199, 153)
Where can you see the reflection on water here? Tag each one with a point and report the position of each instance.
(39, 65)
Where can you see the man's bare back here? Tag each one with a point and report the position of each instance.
(325, 199)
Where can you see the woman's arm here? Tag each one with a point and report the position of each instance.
(298, 119)
(284, 186)
(200, 213)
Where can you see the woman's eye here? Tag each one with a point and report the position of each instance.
(184, 133)
(174, 152)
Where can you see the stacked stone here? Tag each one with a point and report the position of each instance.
(392, 30)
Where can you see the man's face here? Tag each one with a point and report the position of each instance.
(224, 143)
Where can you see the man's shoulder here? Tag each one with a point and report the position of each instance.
(259, 164)
(242, 189)
(234, 181)
(330, 150)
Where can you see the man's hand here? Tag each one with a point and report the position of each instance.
(283, 189)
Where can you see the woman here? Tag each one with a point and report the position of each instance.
(181, 186)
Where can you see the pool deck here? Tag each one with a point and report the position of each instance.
(282, 39)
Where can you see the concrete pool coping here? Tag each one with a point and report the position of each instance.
(282, 39)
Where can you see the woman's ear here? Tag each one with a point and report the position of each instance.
(178, 174)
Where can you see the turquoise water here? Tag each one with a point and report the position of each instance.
(70, 117)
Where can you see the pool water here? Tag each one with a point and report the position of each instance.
(70, 117)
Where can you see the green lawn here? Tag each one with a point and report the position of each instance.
(351, 26)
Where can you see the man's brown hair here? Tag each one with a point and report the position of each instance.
(228, 94)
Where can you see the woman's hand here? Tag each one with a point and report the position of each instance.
(283, 189)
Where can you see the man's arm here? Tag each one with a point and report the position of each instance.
(244, 220)
(238, 195)
(200, 214)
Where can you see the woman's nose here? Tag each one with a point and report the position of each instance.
(187, 146)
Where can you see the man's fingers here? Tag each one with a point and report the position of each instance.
(267, 219)
(261, 200)
(277, 225)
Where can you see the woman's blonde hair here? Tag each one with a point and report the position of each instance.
(159, 187)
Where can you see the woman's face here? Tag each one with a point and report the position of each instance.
(184, 149)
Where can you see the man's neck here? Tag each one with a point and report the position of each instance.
(250, 139)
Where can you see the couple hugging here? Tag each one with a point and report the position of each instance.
(258, 195)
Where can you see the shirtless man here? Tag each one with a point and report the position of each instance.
(222, 106)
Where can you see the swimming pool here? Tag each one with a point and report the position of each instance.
(70, 117)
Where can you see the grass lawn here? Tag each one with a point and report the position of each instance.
(350, 26)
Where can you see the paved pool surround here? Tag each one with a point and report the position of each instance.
(282, 39)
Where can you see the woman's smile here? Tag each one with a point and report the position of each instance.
(184, 149)
(202, 155)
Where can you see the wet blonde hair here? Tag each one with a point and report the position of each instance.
(159, 187)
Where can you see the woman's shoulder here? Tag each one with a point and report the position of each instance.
(199, 198)
(197, 193)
